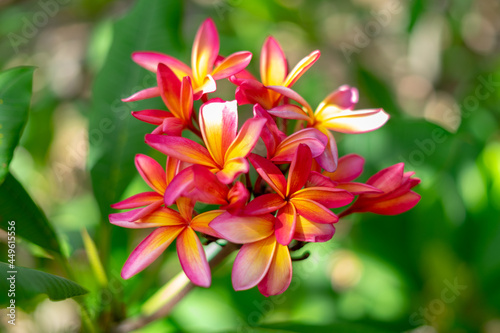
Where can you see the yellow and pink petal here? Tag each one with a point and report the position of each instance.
(193, 259)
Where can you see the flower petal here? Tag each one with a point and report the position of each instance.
(181, 148)
(318, 180)
(393, 206)
(326, 196)
(307, 231)
(172, 126)
(201, 222)
(208, 85)
(218, 124)
(289, 111)
(314, 211)
(237, 197)
(264, 204)
(345, 98)
(301, 68)
(205, 51)
(329, 158)
(253, 92)
(299, 169)
(170, 89)
(287, 92)
(247, 138)
(244, 229)
(349, 168)
(232, 65)
(154, 117)
(152, 172)
(134, 219)
(273, 64)
(358, 188)
(252, 263)
(150, 61)
(285, 225)
(310, 137)
(186, 100)
(388, 179)
(138, 200)
(149, 249)
(270, 133)
(279, 276)
(270, 173)
(193, 259)
(143, 94)
(354, 122)
(232, 169)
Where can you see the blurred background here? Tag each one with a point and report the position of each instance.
(434, 66)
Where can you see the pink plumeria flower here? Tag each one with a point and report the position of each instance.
(205, 69)
(334, 113)
(262, 260)
(273, 72)
(291, 200)
(177, 96)
(226, 148)
(396, 196)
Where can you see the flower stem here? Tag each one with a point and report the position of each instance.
(136, 323)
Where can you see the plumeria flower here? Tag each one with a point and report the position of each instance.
(205, 67)
(280, 148)
(178, 97)
(312, 204)
(226, 148)
(169, 224)
(273, 72)
(349, 168)
(334, 113)
(396, 196)
(262, 260)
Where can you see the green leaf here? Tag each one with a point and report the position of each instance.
(28, 283)
(15, 98)
(31, 224)
(115, 137)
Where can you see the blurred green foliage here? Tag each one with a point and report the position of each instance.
(433, 66)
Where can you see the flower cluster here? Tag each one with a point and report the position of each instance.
(296, 184)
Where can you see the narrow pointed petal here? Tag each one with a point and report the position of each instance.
(172, 168)
(154, 117)
(393, 206)
(301, 68)
(263, 204)
(349, 168)
(149, 249)
(205, 51)
(299, 169)
(247, 138)
(170, 89)
(287, 92)
(150, 61)
(307, 231)
(273, 64)
(232, 169)
(193, 259)
(186, 100)
(388, 179)
(201, 222)
(138, 200)
(232, 65)
(285, 225)
(329, 158)
(197, 183)
(345, 98)
(152, 172)
(135, 218)
(354, 122)
(326, 196)
(270, 173)
(252, 263)
(185, 206)
(218, 124)
(181, 148)
(314, 211)
(358, 188)
(279, 276)
(244, 229)
(318, 180)
(143, 94)
(311, 137)
(289, 111)
(173, 126)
